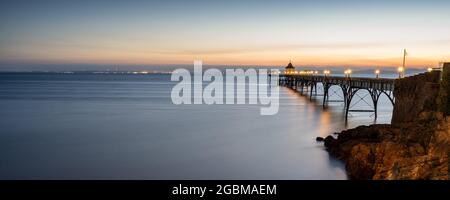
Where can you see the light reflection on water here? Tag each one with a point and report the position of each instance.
(126, 127)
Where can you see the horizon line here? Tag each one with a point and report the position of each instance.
(85, 64)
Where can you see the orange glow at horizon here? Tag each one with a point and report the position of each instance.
(388, 57)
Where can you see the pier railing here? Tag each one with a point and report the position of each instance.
(349, 85)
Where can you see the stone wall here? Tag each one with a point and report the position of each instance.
(415, 95)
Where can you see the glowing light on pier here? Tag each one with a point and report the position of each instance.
(400, 71)
(430, 69)
(348, 73)
(377, 73)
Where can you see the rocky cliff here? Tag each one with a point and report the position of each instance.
(414, 146)
(415, 95)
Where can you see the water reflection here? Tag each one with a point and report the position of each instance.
(125, 127)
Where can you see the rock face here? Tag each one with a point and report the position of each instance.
(406, 151)
(415, 95)
(414, 146)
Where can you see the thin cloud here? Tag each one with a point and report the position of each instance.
(282, 47)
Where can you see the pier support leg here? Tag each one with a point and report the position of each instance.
(315, 89)
(349, 96)
(325, 94)
(345, 93)
(375, 96)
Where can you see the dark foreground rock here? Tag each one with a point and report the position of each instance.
(408, 151)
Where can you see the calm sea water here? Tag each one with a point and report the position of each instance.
(94, 126)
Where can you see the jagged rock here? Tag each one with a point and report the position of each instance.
(384, 152)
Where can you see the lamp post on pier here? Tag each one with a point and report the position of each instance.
(348, 73)
(377, 73)
(326, 73)
(400, 71)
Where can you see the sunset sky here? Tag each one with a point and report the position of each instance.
(359, 33)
